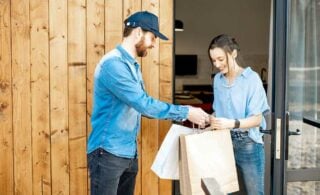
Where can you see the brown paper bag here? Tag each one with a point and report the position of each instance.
(207, 155)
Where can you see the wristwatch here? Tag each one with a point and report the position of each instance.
(236, 123)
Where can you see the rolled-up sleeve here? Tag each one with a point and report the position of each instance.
(257, 103)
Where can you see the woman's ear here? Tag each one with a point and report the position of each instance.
(234, 53)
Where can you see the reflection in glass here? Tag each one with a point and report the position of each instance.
(303, 90)
(303, 188)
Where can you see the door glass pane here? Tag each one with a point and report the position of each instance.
(303, 89)
(303, 188)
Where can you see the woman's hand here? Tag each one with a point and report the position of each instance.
(221, 123)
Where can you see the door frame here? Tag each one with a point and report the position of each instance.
(278, 107)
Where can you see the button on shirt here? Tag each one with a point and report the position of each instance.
(245, 97)
(119, 100)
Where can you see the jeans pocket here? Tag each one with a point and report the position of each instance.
(248, 140)
(92, 155)
(93, 161)
(245, 146)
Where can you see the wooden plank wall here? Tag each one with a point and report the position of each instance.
(48, 53)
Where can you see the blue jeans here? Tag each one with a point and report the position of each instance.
(250, 162)
(111, 175)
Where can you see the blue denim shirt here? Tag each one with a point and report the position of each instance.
(119, 99)
(244, 98)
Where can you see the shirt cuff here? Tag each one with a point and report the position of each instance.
(185, 112)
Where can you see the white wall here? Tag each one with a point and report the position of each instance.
(246, 20)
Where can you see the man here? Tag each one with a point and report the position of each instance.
(119, 101)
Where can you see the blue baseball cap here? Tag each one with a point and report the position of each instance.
(147, 21)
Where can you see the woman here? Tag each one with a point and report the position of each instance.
(239, 103)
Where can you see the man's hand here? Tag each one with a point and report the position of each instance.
(198, 116)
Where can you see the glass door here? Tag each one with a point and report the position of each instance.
(296, 98)
(303, 92)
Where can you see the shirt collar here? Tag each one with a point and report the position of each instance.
(246, 72)
(126, 55)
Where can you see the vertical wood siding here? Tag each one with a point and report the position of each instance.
(40, 100)
(149, 127)
(59, 115)
(21, 96)
(48, 53)
(165, 75)
(6, 127)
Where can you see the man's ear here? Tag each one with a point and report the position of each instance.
(139, 32)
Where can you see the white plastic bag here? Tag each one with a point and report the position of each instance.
(166, 163)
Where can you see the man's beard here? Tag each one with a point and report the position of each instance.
(141, 48)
